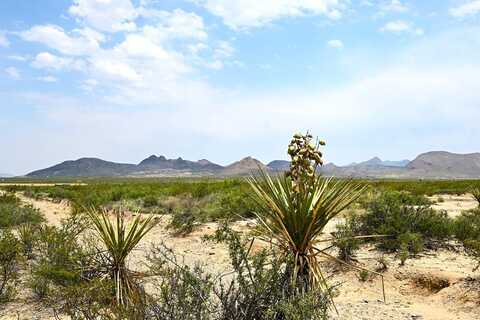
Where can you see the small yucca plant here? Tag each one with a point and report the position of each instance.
(293, 209)
(476, 195)
(119, 239)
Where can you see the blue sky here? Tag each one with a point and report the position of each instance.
(219, 79)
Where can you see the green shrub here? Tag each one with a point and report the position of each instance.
(345, 237)
(28, 237)
(399, 216)
(13, 213)
(150, 201)
(363, 275)
(476, 195)
(9, 265)
(467, 230)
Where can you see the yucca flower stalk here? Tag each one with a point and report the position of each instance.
(293, 209)
(119, 240)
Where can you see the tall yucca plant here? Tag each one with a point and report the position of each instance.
(119, 240)
(293, 209)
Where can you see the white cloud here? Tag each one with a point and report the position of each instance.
(45, 60)
(469, 8)
(48, 79)
(401, 26)
(241, 14)
(82, 42)
(13, 72)
(3, 40)
(181, 24)
(106, 15)
(337, 44)
(394, 6)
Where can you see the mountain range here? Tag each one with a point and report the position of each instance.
(435, 165)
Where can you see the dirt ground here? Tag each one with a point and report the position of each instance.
(454, 204)
(434, 286)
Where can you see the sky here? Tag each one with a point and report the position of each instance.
(224, 79)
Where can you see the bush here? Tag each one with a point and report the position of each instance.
(150, 201)
(28, 237)
(407, 221)
(344, 237)
(61, 259)
(476, 195)
(9, 257)
(467, 230)
(258, 288)
(12, 213)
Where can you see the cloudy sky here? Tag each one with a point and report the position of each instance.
(223, 79)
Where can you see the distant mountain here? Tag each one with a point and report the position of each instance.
(376, 161)
(85, 167)
(437, 164)
(279, 165)
(161, 163)
(6, 175)
(445, 164)
(243, 167)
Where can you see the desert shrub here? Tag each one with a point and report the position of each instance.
(476, 195)
(89, 300)
(259, 287)
(467, 225)
(467, 230)
(345, 237)
(28, 237)
(182, 222)
(402, 217)
(410, 244)
(183, 292)
(9, 265)
(363, 275)
(13, 213)
(262, 286)
(61, 260)
(150, 201)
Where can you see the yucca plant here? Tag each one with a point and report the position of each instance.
(476, 195)
(119, 239)
(293, 209)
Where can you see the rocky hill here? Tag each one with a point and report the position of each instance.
(437, 164)
(445, 164)
(243, 167)
(85, 167)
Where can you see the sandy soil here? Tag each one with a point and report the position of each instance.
(408, 288)
(454, 204)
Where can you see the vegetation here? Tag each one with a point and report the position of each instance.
(119, 240)
(9, 265)
(13, 213)
(293, 210)
(80, 268)
(467, 230)
(407, 221)
(476, 195)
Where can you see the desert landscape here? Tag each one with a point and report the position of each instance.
(436, 283)
(239, 160)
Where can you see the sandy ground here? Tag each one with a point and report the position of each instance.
(454, 204)
(408, 292)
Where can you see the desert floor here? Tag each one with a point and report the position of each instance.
(436, 285)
